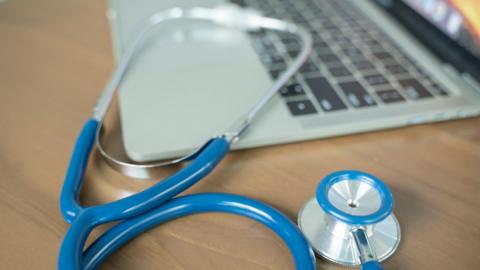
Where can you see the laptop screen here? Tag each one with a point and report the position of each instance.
(458, 19)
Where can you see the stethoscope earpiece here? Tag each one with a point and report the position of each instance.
(350, 221)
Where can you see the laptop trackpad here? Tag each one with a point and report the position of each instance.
(191, 81)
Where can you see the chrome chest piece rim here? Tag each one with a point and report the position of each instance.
(346, 201)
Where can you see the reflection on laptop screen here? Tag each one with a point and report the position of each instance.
(458, 19)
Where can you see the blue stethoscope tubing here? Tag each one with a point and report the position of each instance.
(159, 203)
(156, 205)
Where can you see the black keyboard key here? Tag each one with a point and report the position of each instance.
(414, 89)
(272, 59)
(376, 79)
(323, 50)
(357, 96)
(328, 24)
(359, 58)
(365, 37)
(285, 35)
(293, 53)
(320, 45)
(339, 71)
(340, 39)
(292, 89)
(363, 65)
(309, 67)
(383, 55)
(371, 43)
(335, 34)
(264, 42)
(346, 45)
(357, 28)
(325, 94)
(300, 20)
(275, 73)
(396, 69)
(291, 42)
(302, 107)
(332, 28)
(390, 96)
(329, 58)
(352, 52)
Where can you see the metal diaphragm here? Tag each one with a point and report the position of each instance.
(333, 241)
(345, 201)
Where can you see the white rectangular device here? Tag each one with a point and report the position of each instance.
(192, 81)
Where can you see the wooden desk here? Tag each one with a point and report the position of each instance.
(54, 59)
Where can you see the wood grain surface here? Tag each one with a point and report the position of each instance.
(55, 57)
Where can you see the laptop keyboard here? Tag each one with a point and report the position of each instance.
(354, 65)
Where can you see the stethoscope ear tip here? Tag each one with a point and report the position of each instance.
(347, 201)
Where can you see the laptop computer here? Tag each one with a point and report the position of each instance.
(376, 65)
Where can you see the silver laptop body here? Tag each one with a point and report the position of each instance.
(194, 80)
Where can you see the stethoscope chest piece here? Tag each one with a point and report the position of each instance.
(350, 222)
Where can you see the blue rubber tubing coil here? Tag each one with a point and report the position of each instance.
(156, 205)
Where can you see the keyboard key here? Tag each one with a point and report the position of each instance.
(396, 69)
(352, 52)
(371, 43)
(341, 39)
(390, 96)
(309, 67)
(293, 89)
(382, 55)
(357, 28)
(328, 24)
(272, 59)
(329, 58)
(414, 89)
(293, 53)
(320, 45)
(346, 45)
(331, 28)
(357, 96)
(323, 50)
(285, 35)
(376, 79)
(300, 20)
(265, 42)
(339, 71)
(275, 73)
(363, 65)
(336, 34)
(290, 43)
(325, 94)
(302, 107)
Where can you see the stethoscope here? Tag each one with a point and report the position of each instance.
(160, 203)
